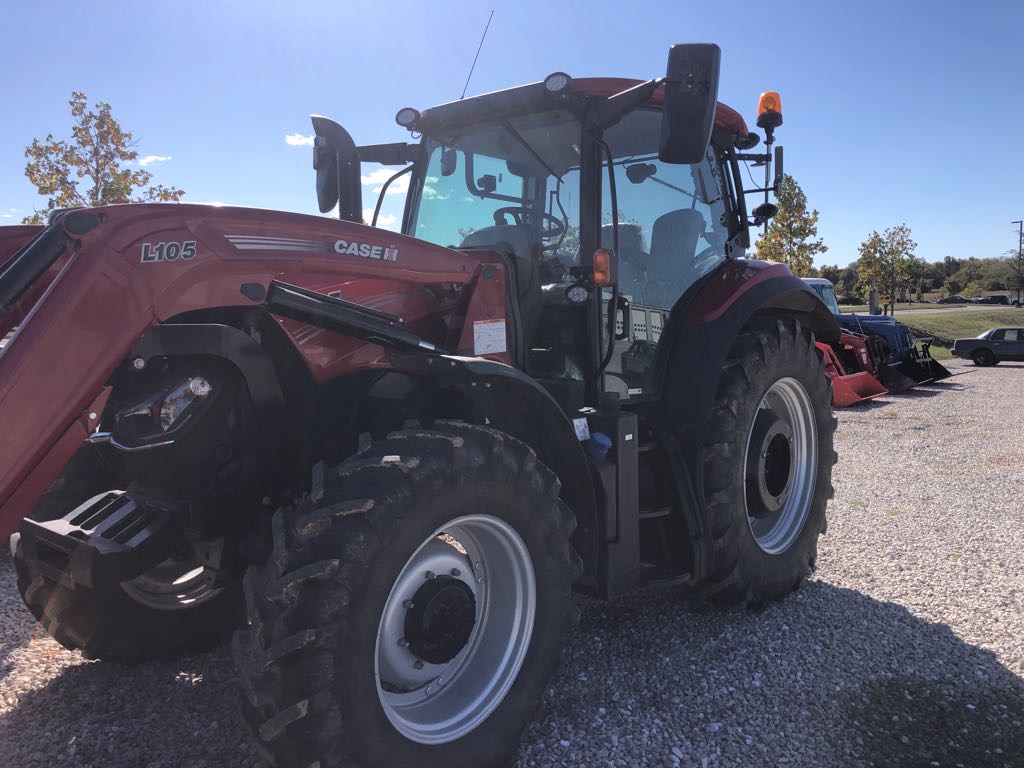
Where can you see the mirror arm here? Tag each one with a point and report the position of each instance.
(610, 111)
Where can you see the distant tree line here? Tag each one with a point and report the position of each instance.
(886, 261)
(913, 277)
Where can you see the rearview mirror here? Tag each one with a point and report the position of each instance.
(691, 93)
(336, 163)
(449, 161)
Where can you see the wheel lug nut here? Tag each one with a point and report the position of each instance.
(418, 664)
(455, 572)
(430, 575)
(403, 643)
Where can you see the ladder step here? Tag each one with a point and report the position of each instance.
(658, 576)
(654, 512)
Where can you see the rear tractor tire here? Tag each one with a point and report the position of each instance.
(767, 463)
(414, 605)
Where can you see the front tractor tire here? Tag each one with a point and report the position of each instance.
(414, 605)
(767, 463)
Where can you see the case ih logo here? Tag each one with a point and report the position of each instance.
(346, 247)
(388, 254)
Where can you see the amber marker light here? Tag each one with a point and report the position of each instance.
(602, 267)
(769, 110)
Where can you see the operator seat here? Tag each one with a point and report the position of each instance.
(633, 257)
(522, 248)
(673, 250)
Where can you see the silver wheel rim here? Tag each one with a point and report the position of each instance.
(437, 703)
(788, 406)
(173, 586)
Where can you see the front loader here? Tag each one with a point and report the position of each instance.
(879, 352)
(388, 460)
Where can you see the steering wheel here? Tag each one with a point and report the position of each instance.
(550, 225)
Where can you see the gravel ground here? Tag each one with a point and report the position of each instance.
(905, 648)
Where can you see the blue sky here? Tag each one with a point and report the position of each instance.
(894, 111)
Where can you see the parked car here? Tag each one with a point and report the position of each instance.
(995, 299)
(952, 300)
(992, 346)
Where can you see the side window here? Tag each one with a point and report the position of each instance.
(998, 335)
(1012, 335)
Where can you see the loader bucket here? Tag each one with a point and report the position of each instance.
(895, 380)
(913, 371)
(848, 389)
(854, 388)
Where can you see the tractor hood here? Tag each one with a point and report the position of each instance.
(95, 280)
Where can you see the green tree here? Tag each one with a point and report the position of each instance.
(887, 262)
(831, 273)
(792, 236)
(92, 167)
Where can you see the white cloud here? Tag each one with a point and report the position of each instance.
(154, 159)
(299, 140)
(378, 176)
(384, 221)
(9, 213)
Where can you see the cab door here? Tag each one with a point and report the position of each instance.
(669, 232)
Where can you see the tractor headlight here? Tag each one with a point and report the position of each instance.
(149, 422)
(174, 408)
(556, 82)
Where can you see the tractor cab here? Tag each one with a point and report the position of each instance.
(607, 199)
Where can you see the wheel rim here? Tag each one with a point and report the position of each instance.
(474, 584)
(174, 585)
(781, 466)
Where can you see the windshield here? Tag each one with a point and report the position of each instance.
(828, 296)
(514, 183)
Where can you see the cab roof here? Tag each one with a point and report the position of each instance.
(534, 97)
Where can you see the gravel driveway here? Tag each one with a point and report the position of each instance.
(905, 648)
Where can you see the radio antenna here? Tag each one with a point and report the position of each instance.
(482, 37)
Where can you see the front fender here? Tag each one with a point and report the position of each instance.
(515, 404)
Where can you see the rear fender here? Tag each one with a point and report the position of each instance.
(515, 404)
(700, 332)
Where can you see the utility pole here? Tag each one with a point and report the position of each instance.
(1020, 254)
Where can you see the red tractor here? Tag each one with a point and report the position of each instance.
(388, 460)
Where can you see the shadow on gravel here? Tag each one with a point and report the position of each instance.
(175, 713)
(828, 677)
